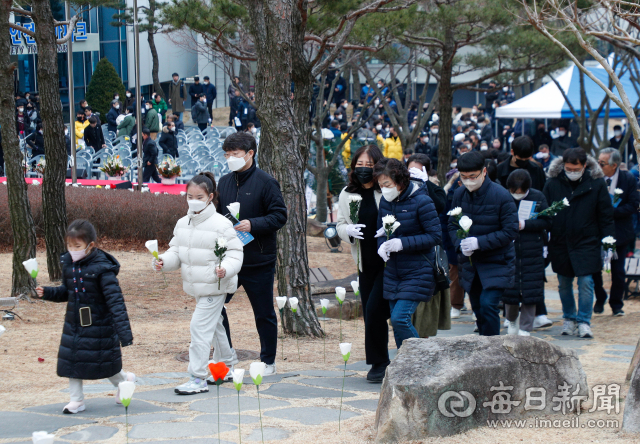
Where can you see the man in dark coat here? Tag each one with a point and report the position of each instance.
(528, 291)
(541, 137)
(149, 158)
(262, 213)
(522, 150)
(491, 96)
(168, 141)
(625, 205)
(196, 90)
(36, 141)
(210, 93)
(93, 135)
(112, 116)
(563, 142)
(486, 256)
(575, 247)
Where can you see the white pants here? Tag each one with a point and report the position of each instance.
(75, 385)
(207, 330)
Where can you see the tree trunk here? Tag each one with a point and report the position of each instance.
(245, 77)
(284, 143)
(445, 107)
(22, 227)
(355, 77)
(155, 68)
(54, 207)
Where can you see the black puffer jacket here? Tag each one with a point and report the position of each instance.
(169, 143)
(91, 352)
(529, 243)
(575, 247)
(262, 204)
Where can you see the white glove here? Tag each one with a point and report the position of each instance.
(469, 244)
(354, 231)
(419, 174)
(545, 252)
(383, 253)
(607, 260)
(380, 233)
(393, 245)
(521, 222)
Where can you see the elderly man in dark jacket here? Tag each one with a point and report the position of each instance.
(623, 189)
(528, 291)
(262, 213)
(149, 158)
(575, 247)
(486, 256)
(409, 274)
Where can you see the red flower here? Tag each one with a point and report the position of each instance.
(218, 370)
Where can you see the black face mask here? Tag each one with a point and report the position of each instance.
(522, 163)
(364, 174)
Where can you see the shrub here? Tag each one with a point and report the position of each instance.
(104, 83)
(118, 215)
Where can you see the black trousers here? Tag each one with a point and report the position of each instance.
(376, 312)
(202, 126)
(150, 172)
(258, 284)
(618, 276)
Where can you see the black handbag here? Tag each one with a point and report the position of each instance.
(441, 269)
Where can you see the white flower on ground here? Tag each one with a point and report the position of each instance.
(355, 286)
(281, 301)
(126, 392)
(465, 223)
(456, 211)
(256, 369)
(293, 302)
(618, 191)
(565, 202)
(341, 292)
(324, 303)
(35, 182)
(238, 377)
(345, 348)
(355, 198)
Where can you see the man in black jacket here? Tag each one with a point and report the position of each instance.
(486, 256)
(93, 135)
(623, 189)
(210, 93)
(112, 116)
(149, 158)
(522, 150)
(262, 213)
(575, 246)
(168, 141)
(195, 90)
(563, 142)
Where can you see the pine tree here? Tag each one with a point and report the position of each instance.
(104, 83)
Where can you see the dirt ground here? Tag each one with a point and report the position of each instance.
(160, 321)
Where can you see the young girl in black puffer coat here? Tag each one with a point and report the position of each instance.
(96, 322)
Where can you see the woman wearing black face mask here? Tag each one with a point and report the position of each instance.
(375, 308)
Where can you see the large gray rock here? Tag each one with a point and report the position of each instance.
(439, 386)
(631, 419)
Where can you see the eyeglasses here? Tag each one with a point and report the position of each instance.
(233, 154)
(471, 178)
(603, 164)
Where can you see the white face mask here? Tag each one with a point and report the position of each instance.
(617, 133)
(197, 205)
(542, 155)
(379, 127)
(148, 106)
(172, 129)
(206, 82)
(517, 196)
(436, 117)
(116, 98)
(390, 193)
(117, 106)
(128, 94)
(573, 176)
(505, 89)
(434, 130)
(339, 117)
(204, 100)
(453, 165)
(66, 132)
(254, 130)
(236, 163)
(376, 102)
(484, 147)
(562, 133)
(20, 109)
(474, 184)
(78, 255)
(40, 131)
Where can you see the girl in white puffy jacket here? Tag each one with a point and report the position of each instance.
(192, 251)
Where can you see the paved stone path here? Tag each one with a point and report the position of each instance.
(288, 401)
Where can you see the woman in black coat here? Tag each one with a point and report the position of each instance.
(96, 322)
(528, 290)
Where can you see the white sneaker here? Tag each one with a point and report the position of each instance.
(131, 378)
(473, 317)
(270, 370)
(455, 313)
(584, 331)
(514, 327)
(74, 407)
(195, 385)
(523, 333)
(506, 323)
(542, 321)
(569, 327)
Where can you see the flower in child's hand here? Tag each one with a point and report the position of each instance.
(221, 272)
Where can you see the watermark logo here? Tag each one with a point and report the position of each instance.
(456, 405)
